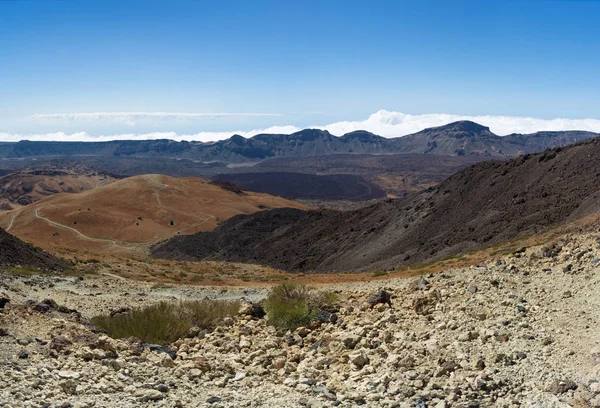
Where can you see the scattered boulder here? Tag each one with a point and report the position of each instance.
(381, 297)
(4, 300)
(561, 386)
(157, 348)
(60, 343)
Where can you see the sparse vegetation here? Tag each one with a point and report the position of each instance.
(379, 272)
(165, 322)
(291, 305)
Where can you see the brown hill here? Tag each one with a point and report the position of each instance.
(19, 189)
(131, 213)
(487, 203)
(14, 252)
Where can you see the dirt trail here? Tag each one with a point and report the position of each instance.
(80, 234)
(12, 220)
(155, 179)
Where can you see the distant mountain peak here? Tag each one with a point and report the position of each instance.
(237, 139)
(463, 126)
(311, 134)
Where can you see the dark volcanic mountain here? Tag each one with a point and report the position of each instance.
(487, 203)
(306, 186)
(459, 138)
(396, 174)
(14, 252)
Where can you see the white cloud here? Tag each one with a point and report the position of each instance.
(384, 123)
(130, 118)
(394, 124)
(85, 137)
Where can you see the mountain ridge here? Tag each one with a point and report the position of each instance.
(487, 203)
(456, 138)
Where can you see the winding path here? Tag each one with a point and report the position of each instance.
(104, 240)
(133, 246)
(12, 220)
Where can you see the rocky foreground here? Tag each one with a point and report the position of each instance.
(521, 331)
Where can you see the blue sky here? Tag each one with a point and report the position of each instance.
(299, 63)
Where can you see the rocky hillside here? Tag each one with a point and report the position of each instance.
(485, 204)
(397, 174)
(131, 213)
(306, 186)
(14, 252)
(513, 332)
(459, 138)
(24, 188)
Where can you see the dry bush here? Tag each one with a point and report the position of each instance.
(291, 305)
(165, 322)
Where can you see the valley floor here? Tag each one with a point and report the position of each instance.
(520, 331)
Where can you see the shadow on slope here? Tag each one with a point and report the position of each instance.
(487, 203)
(15, 252)
(307, 186)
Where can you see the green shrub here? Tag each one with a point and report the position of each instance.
(291, 305)
(379, 272)
(324, 300)
(206, 314)
(165, 322)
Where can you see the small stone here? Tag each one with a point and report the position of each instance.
(472, 288)
(293, 339)
(562, 386)
(69, 387)
(4, 301)
(25, 341)
(213, 400)
(69, 374)
(60, 343)
(422, 283)
(149, 395)
(323, 316)
(290, 382)
(194, 373)
(358, 358)
(351, 341)
(380, 297)
(156, 348)
(303, 332)
(193, 332)
(162, 388)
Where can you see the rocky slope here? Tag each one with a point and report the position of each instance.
(131, 213)
(514, 332)
(485, 204)
(14, 252)
(397, 174)
(458, 138)
(19, 189)
(296, 186)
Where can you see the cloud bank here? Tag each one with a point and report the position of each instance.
(85, 137)
(383, 123)
(130, 118)
(394, 124)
